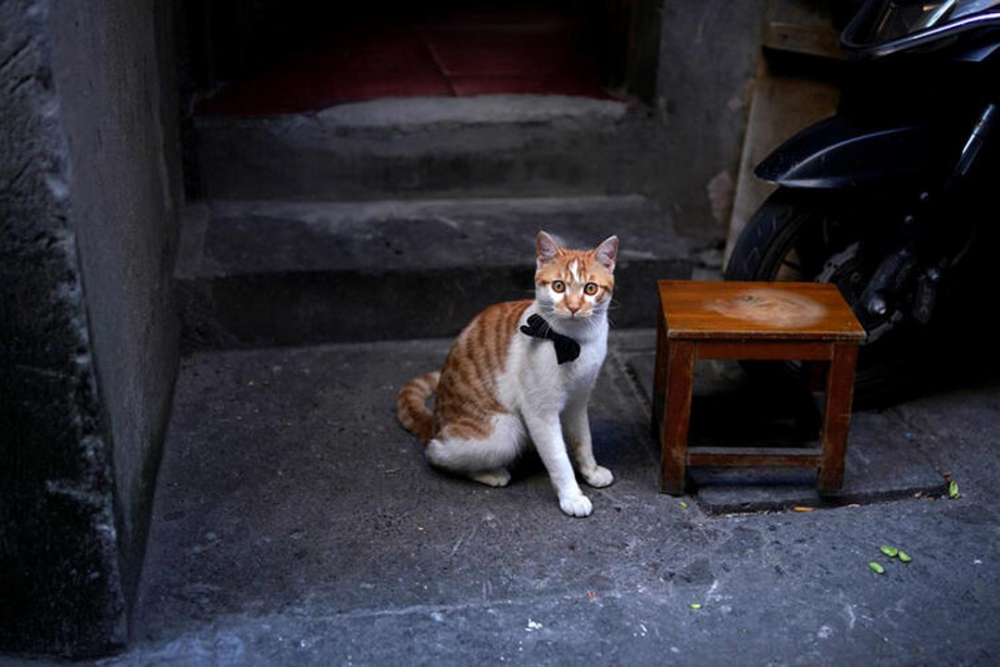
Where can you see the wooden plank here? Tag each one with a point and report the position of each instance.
(765, 350)
(781, 105)
(754, 457)
(706, 310)
(813, 40)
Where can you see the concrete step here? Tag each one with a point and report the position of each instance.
(495, 145)
(261, 273)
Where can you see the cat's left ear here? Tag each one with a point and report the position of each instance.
(607, 253)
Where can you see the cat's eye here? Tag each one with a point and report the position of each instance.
(558, 286)
(590, 289)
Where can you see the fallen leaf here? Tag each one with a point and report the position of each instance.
(876, 568)
(695, 605)
(891, 552)
(953, 490)
(802, 509)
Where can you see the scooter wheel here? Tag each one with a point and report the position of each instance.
(814, 236)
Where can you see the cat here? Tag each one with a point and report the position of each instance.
(522, 372)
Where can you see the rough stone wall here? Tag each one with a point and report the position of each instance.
(708, 56)
(58, 563)
(88, 343)
(124, 190)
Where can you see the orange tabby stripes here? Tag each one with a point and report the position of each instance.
(411, 408)
(466, 399)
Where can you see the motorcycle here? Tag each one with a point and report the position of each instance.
(891, 198)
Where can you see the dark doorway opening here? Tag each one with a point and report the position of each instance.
(287, 56)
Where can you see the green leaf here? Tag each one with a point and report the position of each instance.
(953, 490)
(695, 605)
(904, 557)
(891, 552)
(876, 568)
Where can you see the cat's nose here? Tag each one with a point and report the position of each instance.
(573, 308)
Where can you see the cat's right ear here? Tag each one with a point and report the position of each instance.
(546, 249)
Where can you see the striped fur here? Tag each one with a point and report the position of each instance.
(468, 397)
(411, 405)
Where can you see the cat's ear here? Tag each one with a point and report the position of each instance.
(607, 252)
(546, 249)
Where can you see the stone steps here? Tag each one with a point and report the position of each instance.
(489, 146)
(264, 273)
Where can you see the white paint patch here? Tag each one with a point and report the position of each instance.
(720, 195)
(851, 616)
(448, 221)
(57, 186)
(825, 632)
(771, 308)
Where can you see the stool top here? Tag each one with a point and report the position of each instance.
(711, 310)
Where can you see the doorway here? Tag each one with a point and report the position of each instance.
(269, 57)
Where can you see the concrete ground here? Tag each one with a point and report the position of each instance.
(297, 524)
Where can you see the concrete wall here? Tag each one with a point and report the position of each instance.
(88, 338)
(124, 187)
(708, 56)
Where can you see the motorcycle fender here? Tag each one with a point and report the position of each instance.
(841, 153)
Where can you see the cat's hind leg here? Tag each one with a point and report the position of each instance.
(484, 459)
(498, 477)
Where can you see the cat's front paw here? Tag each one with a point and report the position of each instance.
(576, 506)
(599, 477)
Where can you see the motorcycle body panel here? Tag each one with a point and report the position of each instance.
(850, 154)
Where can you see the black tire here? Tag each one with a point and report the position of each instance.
(814, 236)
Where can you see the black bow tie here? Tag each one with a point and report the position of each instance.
(567, 349)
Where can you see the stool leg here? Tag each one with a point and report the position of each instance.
(837, 416)
(659, 374)
(677, 414)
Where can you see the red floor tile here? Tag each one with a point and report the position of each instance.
(518, 50)
(498, 51)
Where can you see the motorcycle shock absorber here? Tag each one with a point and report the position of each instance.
(898, 266)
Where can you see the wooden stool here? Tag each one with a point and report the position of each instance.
(733, 320)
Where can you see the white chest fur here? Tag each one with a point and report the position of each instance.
(534, 380)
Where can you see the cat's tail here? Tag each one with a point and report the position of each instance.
(411, 406)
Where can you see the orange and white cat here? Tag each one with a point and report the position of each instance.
(522, 372)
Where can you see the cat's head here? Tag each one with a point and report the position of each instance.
(574, 284)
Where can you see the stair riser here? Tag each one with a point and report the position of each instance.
(308, 308)
(557, 159)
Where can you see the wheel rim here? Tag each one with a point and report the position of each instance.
(839, 257)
